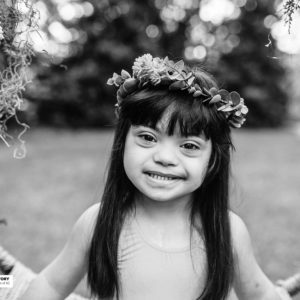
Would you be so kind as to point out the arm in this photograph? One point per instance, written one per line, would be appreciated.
(60, 278)
(250, 282)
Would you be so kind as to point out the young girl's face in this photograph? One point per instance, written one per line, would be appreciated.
(163, 167)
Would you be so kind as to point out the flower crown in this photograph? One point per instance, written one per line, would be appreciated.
(154, 71)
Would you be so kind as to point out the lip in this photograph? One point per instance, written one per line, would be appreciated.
(169, 175)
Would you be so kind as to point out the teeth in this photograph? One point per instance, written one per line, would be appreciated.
(160, 177)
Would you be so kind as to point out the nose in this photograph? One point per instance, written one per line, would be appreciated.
(165, 155)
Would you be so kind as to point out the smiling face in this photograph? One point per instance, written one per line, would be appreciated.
(165, 167)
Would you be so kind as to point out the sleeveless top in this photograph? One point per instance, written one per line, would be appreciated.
(150, 272)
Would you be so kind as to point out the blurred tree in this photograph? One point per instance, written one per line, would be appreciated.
(74, 90)
(254, 69)
(101, 37)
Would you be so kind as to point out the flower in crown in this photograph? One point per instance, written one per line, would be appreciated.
(148, 70)
(229, 103)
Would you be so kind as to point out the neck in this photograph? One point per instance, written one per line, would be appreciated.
(164, 213)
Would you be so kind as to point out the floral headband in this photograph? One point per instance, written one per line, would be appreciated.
(148, 70)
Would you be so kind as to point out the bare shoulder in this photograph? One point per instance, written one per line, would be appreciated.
(249, 281)
(84, 226)
(240, 234)
(90, 214)
(236, 223)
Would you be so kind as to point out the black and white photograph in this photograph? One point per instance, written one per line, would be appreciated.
(149, 150)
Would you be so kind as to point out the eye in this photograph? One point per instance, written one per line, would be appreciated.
(190, 146)
(147, 138)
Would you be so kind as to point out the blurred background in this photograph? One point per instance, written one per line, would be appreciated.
(247, 45)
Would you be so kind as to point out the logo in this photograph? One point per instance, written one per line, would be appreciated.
(6, 281)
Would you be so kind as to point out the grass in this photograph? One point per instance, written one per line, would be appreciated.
(43, 194)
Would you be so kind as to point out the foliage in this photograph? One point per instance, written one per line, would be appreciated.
(154, 71)
(17, 19)
(289, 9)
(71, 90)
(76, 94)
(254, 69)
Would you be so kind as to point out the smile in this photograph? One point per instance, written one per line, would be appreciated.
(162, 177)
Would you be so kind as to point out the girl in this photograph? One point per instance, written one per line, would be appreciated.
(163, 229)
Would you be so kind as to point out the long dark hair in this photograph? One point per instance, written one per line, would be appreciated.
(210, 200)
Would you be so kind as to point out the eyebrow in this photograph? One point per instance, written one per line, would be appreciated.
(160, 131)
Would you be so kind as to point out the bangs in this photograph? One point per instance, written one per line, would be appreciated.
(184, 112)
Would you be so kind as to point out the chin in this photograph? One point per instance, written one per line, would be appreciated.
(161, 197)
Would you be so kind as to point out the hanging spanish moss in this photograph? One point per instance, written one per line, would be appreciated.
(18, 19)
(289, 9)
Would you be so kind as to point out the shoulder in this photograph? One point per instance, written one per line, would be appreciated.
(84, 226)
(90, 214)
(241, 240)
(237, 225)
(88, 217)
(249, 281)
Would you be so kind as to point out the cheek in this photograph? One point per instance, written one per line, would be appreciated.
(199, 173)
(131, 159)
(127, 160)
(199, 169)
(126, 156)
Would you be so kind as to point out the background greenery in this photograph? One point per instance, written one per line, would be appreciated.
(63, 174)
(71, 90)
